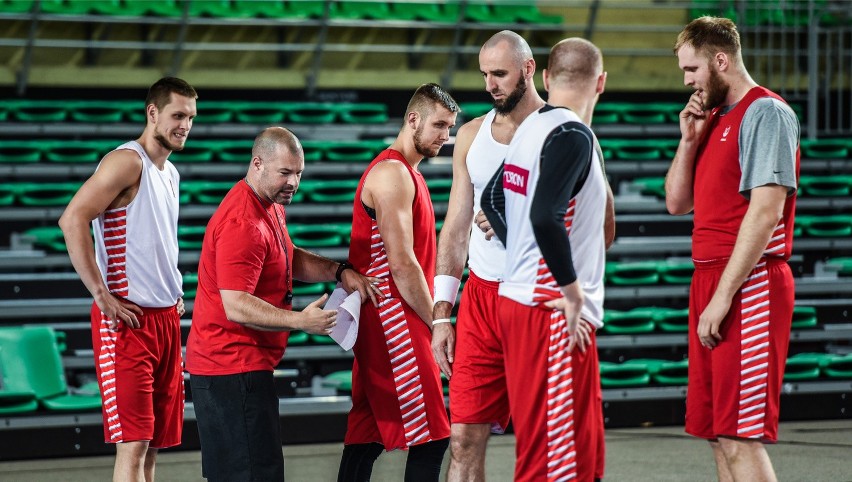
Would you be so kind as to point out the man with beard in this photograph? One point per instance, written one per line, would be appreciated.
(243, 313)
(131, 271)
(397, 399)
(472, 358)
(737, 168)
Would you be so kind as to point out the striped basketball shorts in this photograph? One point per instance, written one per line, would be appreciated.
(734, 389)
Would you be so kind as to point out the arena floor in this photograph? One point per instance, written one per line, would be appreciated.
(808, 451)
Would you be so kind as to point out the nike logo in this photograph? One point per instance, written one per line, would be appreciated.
(776, 172)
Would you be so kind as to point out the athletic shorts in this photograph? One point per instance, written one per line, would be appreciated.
(238, 426)
(140, 371)
(555, 396)
(478, 385)
(397, 396)
(734, 388)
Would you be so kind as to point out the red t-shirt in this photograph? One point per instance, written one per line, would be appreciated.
(243, 250)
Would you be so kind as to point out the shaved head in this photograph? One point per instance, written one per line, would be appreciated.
(574, 61)
(516, 46)
(271, 139)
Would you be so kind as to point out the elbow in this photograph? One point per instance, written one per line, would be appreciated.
(678, 207)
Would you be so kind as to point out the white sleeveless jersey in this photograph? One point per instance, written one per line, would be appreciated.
(486, 258)
(136, 245)
(528, 279)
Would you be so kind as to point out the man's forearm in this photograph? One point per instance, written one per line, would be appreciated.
(679, 180)
(249, 310)
(411, 283)
(311, 267)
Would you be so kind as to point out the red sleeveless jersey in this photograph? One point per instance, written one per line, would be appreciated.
(365, 235)
(719, 206)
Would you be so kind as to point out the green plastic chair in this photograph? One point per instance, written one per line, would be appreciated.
(608, 113)
(843, 266)
(328, 191)
(190, 285)
(439, 189)
(523, 12)
(238, 150)
(80, 7)
(46, 194)
(301, 288)
(340, 381)
(308, 9)
(77, 152)
(253, 8)
(311, 112)
(36, 366)
(20, 152)
(363, 113)
(190, 237)
(98, 111)
(652, 186)
(672, 321)
(825, 186)
(672, 373)
(8, 192)
(315, 235)
(353, 151)
(837, 225)
(297, 338)
(804, 317)
(38, 110)
(652, 113)
(804, 366)
(210, 192)
(322, 340)
(48, 237)
(633, 273)
(214, 112)
(158, 8)
(676, 272)
(635, 321)
(639, 149)
(614, 375)
(363, 10)
(825, 148)
(314, 150)
(838, 366)
(260, 112)
(429, 11)
(211, 8)
(198, 150)
(471, 110)
(16, 6)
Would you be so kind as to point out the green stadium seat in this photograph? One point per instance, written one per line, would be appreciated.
(253, 8)
(74, 152)
(314, 150)
(16, 6)
(37, 367)
(190, 237)
(676, 272)
(837, 225)
(672, 373)
(260, 112)
(429, 11)
(197, 150)
(322, 340)
(642, 149)
(672, 321)
(315, 235)
(301, 288)
(363, 113)
(297, 338)
(804, 366)
(38, 110)
(608, 113)
(46, 194)
(615, 375)
(838, 366)
(353, 151)
(804, 317)
(15, 402)
(340, 381)
(7, 193)
(92, 111)
(439, 189)
(190, 285)
(330, 190)
(210, 192)
(355, 10)
(309, 8)
(652, 113)
(237, 150)
(214, 112)
(310, 112)
(212, 8)
(651, 186)
(637, 320)
(48, 237)
(633, 273)
(157, 8)
(826, 148)
(843, 266)
(20, 152)
(826, 185)
(471, 110)
(523, 12)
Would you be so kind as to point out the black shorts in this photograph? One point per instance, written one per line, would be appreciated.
(239, 427)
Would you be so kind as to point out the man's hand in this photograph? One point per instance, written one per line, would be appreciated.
(693, 118)
(118, 311)
(484, 225)
(180, 308)
(444, 346)
(711, 320)
(367, 286)
(316, 320)
(570, 305)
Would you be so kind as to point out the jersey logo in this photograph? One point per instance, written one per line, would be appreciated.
(725, 134)
(515, 179)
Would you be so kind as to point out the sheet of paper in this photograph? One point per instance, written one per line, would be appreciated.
(348, 312)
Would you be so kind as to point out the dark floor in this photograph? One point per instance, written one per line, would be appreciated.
(807, 451)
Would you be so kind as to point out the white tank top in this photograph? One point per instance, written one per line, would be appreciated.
(584, 218)
(486, 258)
(136, 245)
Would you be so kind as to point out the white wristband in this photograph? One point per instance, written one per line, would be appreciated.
(441, 320)
(446, 288)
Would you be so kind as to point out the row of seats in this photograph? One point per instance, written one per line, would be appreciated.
(651, 319)
(524, 11)
(767, 12)
(817, 186)
(96, 111)
(33, 376)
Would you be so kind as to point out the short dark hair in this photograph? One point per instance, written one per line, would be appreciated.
(708, 35)
(427, 96)
(160, 93)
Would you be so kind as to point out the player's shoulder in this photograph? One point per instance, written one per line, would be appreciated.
(471, 127)
(769, 106)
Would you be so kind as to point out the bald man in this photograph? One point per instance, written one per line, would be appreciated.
(243, 313)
